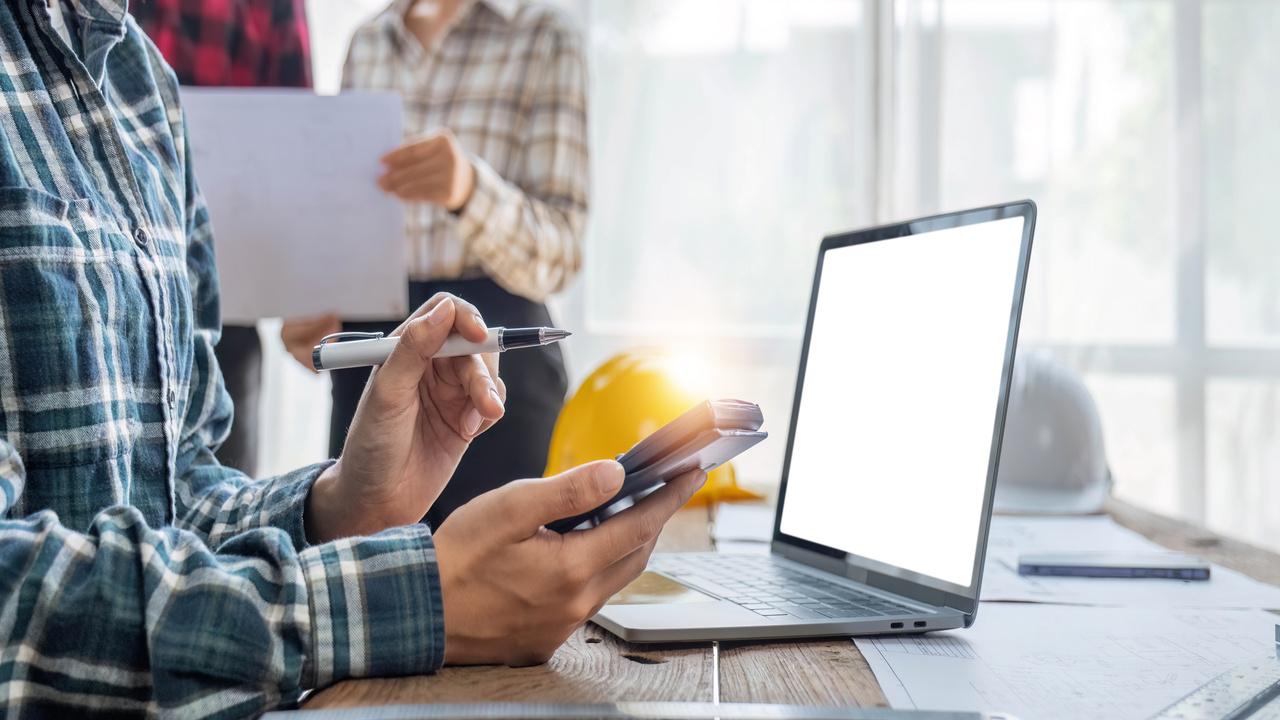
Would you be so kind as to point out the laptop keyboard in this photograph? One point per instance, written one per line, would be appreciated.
(767, 588)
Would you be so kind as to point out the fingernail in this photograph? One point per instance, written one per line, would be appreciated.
(479, 320)
(608, 479)
(496, 397)
(436, 316)
(471, 422)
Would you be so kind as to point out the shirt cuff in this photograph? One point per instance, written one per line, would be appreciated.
(376, 607)
(492, 203)
(284, 504)
(231, 508)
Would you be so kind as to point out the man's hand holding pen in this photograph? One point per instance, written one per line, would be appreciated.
(416, 418)
(513, 590)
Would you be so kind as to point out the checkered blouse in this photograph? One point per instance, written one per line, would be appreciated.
(509, 78)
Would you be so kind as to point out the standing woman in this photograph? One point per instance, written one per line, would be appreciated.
(493, 174)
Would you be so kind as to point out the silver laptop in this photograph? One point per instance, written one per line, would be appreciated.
(892, 450)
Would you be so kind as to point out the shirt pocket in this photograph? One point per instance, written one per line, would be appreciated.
(67, 373)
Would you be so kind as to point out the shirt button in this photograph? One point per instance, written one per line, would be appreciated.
(173, 397)
(141, 237)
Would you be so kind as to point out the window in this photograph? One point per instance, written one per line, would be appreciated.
(1241, 140)
(1145, 131)
(1140, 127)
(729, 136)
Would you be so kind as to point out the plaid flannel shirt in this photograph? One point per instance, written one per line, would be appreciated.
(235, 43)
(137, 575)
(509, 78)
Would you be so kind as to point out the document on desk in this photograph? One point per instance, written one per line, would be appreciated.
(744, 522)
(743, 528)
(300, 225)
(1013, 536)
(747, 528)
(1067, 662)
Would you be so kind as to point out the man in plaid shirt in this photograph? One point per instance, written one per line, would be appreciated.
(137, 575)
(234, 43)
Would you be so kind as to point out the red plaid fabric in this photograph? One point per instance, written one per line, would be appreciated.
(236, 43)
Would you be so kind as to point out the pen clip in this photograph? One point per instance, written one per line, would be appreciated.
(349, 335)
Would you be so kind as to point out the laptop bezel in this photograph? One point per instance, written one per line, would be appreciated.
(916, 586)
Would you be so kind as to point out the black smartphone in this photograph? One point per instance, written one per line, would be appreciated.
(706, 436)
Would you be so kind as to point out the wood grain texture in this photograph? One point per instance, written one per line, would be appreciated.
(591, 667)
(811, 672)
(596, 667)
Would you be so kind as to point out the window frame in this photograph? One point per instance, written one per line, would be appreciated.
(912, 180)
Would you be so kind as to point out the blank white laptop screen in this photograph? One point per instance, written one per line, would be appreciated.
(898, 407)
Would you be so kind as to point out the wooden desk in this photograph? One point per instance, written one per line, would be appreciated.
(593, 666)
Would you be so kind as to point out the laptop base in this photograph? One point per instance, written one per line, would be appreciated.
(668, 606)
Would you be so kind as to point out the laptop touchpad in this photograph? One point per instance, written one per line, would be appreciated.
(652, 588)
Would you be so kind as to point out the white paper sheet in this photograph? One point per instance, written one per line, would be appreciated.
(1012, 536)
(1050, 662)
(300, 226)
(743, 522)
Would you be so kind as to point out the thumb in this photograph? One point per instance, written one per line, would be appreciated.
(420, 338)
(534, 503)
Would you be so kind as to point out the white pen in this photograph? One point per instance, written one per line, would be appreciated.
(356, 349)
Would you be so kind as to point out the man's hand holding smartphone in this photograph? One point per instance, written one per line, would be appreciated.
(513, 590)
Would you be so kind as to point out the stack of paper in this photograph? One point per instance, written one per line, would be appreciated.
(743, 528)
(1046, 647)
(748, 528)
(1057, 661)
(1143, 644)
(1013, 536)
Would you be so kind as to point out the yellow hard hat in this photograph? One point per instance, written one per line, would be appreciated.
(627, 398)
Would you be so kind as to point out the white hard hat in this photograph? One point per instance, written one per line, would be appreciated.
(1053, 460)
